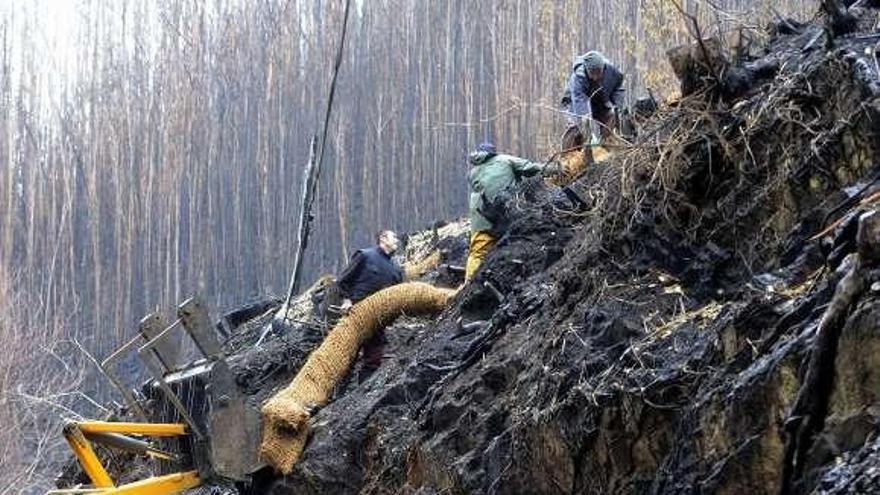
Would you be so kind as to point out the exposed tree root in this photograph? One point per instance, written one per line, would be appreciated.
(807, 417)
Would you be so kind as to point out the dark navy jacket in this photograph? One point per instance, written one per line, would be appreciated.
(583, 96)
(370, 270)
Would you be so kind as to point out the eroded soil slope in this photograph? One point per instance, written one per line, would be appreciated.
(667, 336)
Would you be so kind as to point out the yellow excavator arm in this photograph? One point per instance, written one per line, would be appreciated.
(80, 434)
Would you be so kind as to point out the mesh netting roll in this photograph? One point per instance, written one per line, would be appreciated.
(574, 164)
(286, 414)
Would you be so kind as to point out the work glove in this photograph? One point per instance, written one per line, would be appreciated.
(345, 306)
(552, 169)
(590, 127)
(586, 120)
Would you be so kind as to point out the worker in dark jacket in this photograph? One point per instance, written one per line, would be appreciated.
(594, 93)
(491, 179)
(371, 270)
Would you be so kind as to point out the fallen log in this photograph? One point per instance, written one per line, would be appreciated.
(698, 65)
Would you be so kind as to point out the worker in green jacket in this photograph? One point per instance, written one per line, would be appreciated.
(491, 179)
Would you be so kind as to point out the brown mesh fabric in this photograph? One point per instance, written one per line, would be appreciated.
(574, 164)
(286, 414)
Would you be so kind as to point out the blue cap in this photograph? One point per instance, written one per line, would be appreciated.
(487, 147)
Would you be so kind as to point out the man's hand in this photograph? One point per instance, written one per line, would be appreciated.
(345, 306)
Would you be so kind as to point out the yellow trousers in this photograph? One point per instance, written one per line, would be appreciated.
(481, 243)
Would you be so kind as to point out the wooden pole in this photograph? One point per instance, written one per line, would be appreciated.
(310, 181)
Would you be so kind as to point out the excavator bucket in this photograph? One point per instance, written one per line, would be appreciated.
(217, 425)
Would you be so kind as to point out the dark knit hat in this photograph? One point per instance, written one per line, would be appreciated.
(594, 60)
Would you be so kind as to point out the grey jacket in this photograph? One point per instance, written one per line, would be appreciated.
(582, 96)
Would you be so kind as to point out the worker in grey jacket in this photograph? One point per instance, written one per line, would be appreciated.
(592, 97)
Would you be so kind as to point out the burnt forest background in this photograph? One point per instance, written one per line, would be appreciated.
(151, 150)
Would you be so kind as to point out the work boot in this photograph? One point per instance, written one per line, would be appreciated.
(373, 353)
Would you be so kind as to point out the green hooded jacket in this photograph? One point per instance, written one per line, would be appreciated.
(491, 174)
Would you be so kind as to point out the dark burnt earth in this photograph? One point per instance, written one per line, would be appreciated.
(668, 336)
